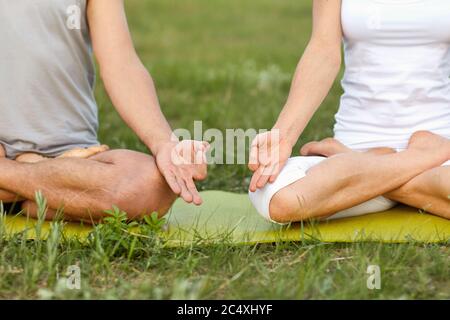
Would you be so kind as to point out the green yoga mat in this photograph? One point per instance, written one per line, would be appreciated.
(231, 217)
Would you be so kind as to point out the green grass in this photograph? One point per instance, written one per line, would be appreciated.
(118, 263)
(229, 64)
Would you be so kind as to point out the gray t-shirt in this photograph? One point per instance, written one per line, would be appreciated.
(47, 77)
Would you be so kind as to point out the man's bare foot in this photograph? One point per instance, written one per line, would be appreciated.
(80, 153)
(327, 148)
(432, 144)
(84, 153)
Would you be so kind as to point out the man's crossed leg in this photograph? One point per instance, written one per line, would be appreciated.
(85, 187)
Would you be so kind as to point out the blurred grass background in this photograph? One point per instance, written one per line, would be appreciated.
(226, 63)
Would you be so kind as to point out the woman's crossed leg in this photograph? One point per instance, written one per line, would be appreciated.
(348, 179)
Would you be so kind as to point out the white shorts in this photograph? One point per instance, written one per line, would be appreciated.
(295, 169)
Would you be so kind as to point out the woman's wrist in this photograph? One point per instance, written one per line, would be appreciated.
(287, 134)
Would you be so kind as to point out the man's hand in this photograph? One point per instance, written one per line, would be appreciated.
(268, 155)
(181, 163)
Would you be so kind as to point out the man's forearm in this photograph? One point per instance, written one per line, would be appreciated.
(133, 93)
(313, 79)
(126, 80)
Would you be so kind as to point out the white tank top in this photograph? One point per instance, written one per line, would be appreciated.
(397, 77)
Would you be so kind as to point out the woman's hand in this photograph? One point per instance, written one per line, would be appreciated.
(181, 163)
(315, 74)
(268, 155)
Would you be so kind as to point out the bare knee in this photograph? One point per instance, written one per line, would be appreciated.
(287, 206)
(142, 190)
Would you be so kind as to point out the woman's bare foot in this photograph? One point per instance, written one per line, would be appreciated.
(431, 144)
(330, 147)
(327, 148)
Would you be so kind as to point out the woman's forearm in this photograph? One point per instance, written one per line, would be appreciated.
(315, 74)
(133, 93)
